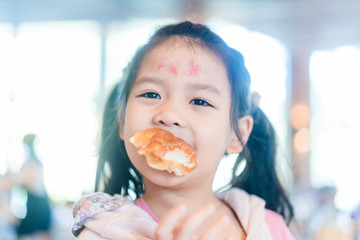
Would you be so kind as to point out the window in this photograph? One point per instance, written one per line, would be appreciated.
(54, 79)
(335, 123)
(6, 65)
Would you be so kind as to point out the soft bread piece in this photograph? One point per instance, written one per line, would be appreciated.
(164, 151)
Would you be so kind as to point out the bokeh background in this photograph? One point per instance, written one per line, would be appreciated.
(60, 58)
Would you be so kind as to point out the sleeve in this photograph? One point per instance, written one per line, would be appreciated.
(92, 205)
(100, 216)
(277, 226)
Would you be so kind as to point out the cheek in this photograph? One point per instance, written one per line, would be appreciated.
(132, 120)
(214, 142)
(132, 153)
(218, 134)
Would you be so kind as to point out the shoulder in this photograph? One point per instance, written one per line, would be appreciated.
(238, 198)
(253, 215)
(277, 226)
(93, 204)
(250, 211)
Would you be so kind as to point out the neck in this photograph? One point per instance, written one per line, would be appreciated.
(160, 199)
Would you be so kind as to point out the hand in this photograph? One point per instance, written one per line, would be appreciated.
(175, 226)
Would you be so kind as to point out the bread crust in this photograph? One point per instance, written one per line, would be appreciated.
(164, 151)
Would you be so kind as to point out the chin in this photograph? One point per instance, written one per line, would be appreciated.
(163, 178)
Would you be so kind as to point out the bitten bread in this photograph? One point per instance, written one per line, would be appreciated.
(164, 151)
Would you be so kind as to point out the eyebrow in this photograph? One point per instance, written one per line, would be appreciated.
(206, 87)
(192, 86)
(148, 80)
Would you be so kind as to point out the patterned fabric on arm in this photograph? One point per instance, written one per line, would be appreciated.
(92, 205)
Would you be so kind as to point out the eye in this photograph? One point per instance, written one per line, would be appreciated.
(150, 95)
(200, 102)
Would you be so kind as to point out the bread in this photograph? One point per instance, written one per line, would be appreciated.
(164, 151)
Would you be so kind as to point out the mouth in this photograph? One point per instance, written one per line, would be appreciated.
(164, 151)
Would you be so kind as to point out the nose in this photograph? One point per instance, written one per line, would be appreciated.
(169, 116)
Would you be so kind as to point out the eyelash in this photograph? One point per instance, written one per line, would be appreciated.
(196, 101)
(200, 102)
(150, 95)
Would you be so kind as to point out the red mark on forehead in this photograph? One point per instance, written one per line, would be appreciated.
(160, 66)
(194, 69)
(173, 69)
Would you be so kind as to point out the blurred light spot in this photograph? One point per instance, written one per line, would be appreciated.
(18, 200)
(300, 116)
(302, 140)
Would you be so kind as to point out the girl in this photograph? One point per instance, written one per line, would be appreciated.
(188, 81)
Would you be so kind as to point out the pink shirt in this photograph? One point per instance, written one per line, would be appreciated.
(140, 202)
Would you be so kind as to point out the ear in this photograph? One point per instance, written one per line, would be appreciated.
(245, 126)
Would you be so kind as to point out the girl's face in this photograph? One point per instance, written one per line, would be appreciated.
(185, 90)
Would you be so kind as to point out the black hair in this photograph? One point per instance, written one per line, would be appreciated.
(115, 169)
(259, 177)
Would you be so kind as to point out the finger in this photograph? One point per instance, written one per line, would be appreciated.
(190, 227)
(168, 224)
(216, 229)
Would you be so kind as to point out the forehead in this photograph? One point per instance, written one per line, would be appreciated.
(178, 61)
(177, 49)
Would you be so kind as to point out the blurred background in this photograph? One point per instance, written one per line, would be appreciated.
(59, 59)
